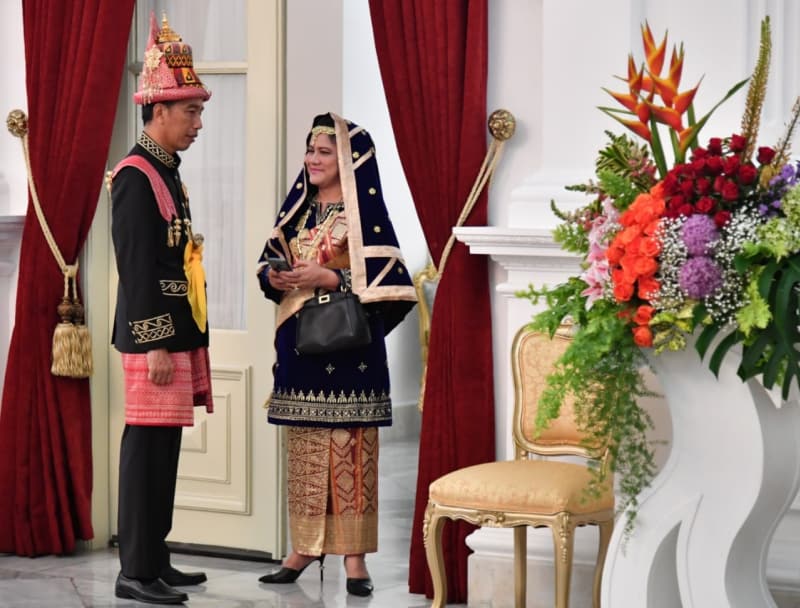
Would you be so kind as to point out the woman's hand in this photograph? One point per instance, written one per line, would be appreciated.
(280, 280)
(307, 274)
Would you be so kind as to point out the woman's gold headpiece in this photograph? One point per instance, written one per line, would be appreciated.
(315, 131)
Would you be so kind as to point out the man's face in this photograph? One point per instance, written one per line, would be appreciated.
(178, 124)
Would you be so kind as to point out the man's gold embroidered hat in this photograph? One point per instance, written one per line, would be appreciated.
(168, 72)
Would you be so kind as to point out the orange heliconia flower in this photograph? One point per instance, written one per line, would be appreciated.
(646, 82)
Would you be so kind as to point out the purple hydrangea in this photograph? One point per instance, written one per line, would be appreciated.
(698, 232)
(700, 277)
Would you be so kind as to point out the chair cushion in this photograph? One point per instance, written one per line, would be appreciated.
(535, 486)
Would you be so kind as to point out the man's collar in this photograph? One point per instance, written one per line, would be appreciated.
(149, 144)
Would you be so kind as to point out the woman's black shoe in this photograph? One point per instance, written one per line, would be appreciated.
(289, 575)
(361, 587)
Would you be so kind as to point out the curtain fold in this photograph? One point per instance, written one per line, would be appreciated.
(433, 58)
(75, 58)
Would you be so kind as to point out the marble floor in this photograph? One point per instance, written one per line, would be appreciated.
(87, 579)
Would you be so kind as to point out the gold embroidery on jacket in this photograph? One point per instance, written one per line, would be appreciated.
(331, 408)
(173, 288)
(150, 330)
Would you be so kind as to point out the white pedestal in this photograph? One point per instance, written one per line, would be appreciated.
(706, 523)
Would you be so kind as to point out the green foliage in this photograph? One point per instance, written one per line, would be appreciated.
(600, 371)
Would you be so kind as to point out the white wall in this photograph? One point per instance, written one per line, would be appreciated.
(13, 189)
(13, 185)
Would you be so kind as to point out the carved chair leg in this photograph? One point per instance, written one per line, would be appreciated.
(606, 528)
(432, 538)
(520, 565)
(563, 542)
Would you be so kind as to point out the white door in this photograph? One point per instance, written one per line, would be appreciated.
(230, 479)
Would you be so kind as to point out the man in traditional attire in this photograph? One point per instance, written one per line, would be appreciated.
(160, 325)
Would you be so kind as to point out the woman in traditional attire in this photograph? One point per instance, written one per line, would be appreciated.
(335, 233)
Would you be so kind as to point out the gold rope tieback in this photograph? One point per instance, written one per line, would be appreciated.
(501, 125)
(72, 344)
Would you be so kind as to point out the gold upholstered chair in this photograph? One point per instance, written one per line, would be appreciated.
(535, 489)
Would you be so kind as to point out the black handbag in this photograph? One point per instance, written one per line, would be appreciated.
(330, 322)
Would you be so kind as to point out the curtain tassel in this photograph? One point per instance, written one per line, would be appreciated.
(72, 344)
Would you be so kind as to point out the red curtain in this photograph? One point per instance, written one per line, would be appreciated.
(433, 61)
(74, 57)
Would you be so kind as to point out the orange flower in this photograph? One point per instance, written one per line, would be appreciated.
(645, 266)
(621, 276)
(643, 314)
(654, 54)
(643, 336)
(651, 227)
(650, 246)
(614, 254)
(628, 235)
(623, 292)
(648, 287)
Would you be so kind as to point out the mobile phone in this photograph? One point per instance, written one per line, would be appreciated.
(278, 264)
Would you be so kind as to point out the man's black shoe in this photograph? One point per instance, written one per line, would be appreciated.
(153, 592)
(176, 578)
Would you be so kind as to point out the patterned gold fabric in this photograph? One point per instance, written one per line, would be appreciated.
(551, 487)
(333, 490)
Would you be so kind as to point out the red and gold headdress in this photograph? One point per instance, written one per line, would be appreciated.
(168, 73)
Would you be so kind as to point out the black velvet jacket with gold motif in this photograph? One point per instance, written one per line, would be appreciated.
(152, 308)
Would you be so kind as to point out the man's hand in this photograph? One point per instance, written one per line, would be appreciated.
(159, 366)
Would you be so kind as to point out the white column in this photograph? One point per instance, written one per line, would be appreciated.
(10, 236)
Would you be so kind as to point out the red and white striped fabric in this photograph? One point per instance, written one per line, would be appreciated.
(148, 404)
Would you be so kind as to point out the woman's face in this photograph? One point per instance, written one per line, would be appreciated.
(322, 162)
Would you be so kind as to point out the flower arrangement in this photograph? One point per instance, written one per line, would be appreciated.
(707, 246)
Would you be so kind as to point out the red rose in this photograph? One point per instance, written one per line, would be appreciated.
(702, 185)
(730, 191)
(715, 146)
(714, 165)
(676, 202)
(699, 153)
(747, 174)
(721, 218)
(737, 143)
(686, 210)
(765, 155)
(705, 204)
(699, 164)
(730, 165)
(719, 182)
(687, 187)
(670, 182)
